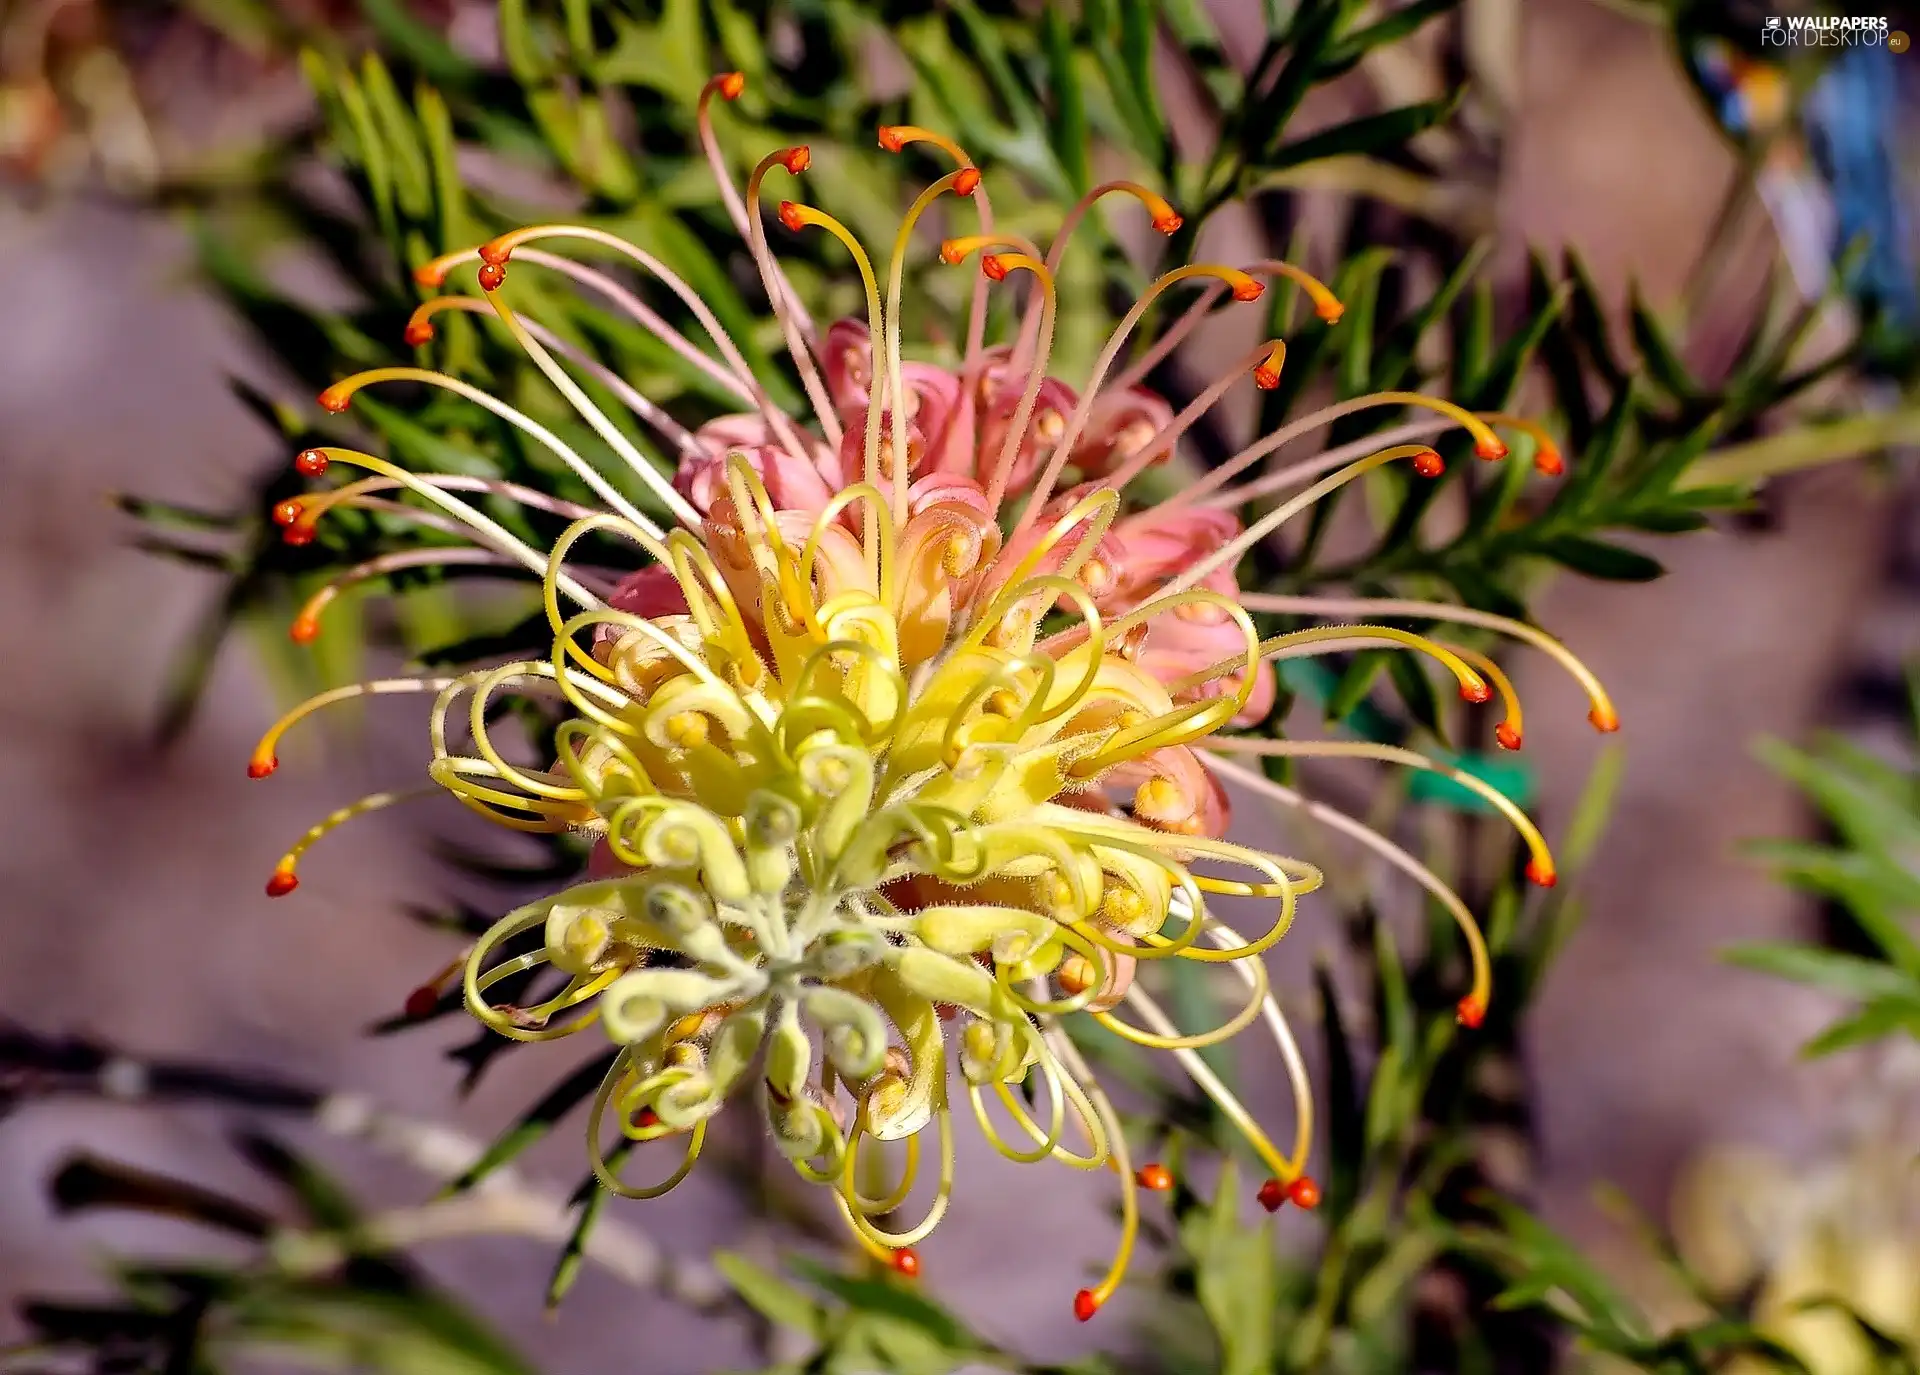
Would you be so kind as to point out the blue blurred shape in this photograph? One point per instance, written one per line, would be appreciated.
(1853, 116)
(1831, 171)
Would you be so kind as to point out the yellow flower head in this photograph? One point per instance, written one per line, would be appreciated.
(888, 744)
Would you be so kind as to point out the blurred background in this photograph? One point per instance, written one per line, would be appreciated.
(131, 872)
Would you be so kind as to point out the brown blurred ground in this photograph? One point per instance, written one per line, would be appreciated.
(131, 882)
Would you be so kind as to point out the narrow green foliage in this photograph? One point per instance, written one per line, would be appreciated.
(358, 1309)
(1872, 808)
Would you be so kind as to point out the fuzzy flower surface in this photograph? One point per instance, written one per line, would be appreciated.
(904, 740)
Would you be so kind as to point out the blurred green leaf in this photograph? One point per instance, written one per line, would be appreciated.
(1852, 975)
(1346, 1123)
(1067, 123)
(1235, 1271)
(1356, 683)
(1658, 353)
(890, 1298)
(1395, 26)
(1876, 1020)
(1598, 559)
(772, 1297)
(1367, 135)
(1594, 809)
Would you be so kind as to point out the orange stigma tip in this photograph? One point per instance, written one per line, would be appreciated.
(260, 768)
(286, 512)
(731, 85)
(491, 276)
(1085, 1305)
(297, 535)
(418, 332)
(1470, 1012)
(493, 254)
(1168, 223)
(1266, 378)
(334, 400)
(795, 160)
(1304, 1192)
(310, 463)
(1604, 720)
(966, 181)
(790, 216)
(1248, 290)
(890, 138)
(1427, 463)
(1272, 1194)
(421, 1002)
(282, 883)
(1541, 873)
(304, 630)
(951, 253)
(1475, 692)
(1490, 452)
(1330, 312)
(1548, 463)
(430, 274)
(994, 266)
(1506, 736)
(1156, 1177)
(907, 1261)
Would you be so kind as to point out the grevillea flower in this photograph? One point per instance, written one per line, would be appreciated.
(907, 728)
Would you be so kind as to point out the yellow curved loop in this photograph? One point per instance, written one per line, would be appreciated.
(1048, 1145)
(603, 1169)
(835, 1150)
(1096, 635)
(1096, 512)
(893, 1198)
(962, 723)
(456, 774)
(477, 977)
(550, 576)
(850, 1197)
(1226, 1031)
(1071, 938)
(714, 609)
(1099, 1152)
(1334, 639)
(477, 726)
(874, 502)
(1285, 887)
